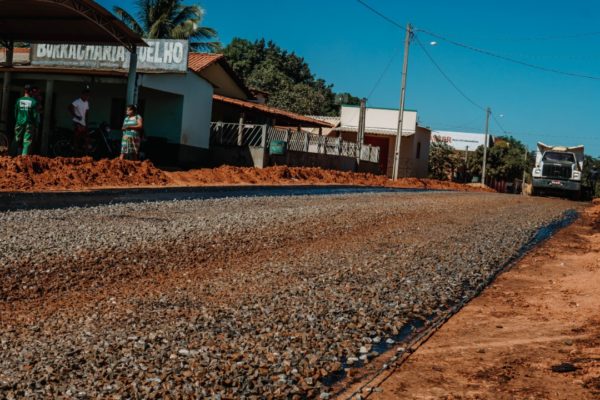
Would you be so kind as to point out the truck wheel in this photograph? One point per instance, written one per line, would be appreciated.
(576, 196)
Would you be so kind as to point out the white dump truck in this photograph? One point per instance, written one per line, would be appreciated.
(558, 169)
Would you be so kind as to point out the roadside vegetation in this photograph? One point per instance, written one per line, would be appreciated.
(170, 19)
(508, 160)
(285, 76)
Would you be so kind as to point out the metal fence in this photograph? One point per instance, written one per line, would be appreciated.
(233, 134)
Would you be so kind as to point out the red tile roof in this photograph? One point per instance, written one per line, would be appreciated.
(271, 110)
(199, 61)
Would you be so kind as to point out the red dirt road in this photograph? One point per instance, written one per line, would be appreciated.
(502, 345)
(36, 173)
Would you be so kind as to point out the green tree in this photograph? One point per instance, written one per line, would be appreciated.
(591, 174)
(506, 160)
(442, 161)
(170, 19)
(285, 76)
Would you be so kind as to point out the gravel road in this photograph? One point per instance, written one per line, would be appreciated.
(236, 298)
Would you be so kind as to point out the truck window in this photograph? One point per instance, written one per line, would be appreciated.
(557, 156)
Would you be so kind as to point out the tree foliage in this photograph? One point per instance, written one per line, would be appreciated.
(285, 76)
(506, 160)
(170, 19)
(442, 161)
(591, 174)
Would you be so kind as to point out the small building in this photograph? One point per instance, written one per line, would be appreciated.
(460, 141)
(175, 101)
(381, 127)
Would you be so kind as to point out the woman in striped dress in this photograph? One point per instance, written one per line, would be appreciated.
(132, 129)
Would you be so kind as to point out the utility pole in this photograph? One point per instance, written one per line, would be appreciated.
(466, 163)
(361, 128)
(402, 98)
(488, 111)
(9, 45)
(525, 170)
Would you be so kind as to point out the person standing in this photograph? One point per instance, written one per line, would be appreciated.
(132, 132)
(27, 119)
(79, 111)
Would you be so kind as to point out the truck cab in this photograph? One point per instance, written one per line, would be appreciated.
(558, 169)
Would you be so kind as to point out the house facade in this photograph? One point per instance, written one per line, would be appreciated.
(381, 127)
(175, 101)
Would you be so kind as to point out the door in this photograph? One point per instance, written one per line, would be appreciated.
(384, 144)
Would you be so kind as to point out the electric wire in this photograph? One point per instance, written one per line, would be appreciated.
(499, 124)
(445, 75)
(460, 91)
(382, 15)
(385, 70)
(509, 59)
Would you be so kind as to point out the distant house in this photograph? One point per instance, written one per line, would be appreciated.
(380, 130)
(461, 141)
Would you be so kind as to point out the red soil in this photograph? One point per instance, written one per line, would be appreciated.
(36, 173)
(40, 173)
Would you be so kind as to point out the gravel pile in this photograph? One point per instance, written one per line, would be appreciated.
(236, 298)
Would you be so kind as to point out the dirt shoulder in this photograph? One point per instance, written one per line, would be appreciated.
(41, 174)
(503, 344)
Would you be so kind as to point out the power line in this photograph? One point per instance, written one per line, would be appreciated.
(544, 38)
(388, 19)
(499, 124)
(439, 68)
(385, 70)
(509, 59)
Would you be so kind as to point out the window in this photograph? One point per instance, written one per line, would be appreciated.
(556, 156)
(418, 150)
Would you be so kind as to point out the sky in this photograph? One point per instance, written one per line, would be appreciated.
(359, 52)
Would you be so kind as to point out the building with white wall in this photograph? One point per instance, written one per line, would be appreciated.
(174, 99)
(381, 126)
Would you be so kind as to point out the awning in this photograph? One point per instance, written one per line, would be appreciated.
(63, 21)
(284, 118)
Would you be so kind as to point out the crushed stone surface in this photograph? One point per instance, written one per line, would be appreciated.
(237, 298)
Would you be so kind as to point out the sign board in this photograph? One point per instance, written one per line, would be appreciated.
(161, 55)
(459, 140)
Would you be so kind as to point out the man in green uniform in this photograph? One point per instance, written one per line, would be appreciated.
(26, 116)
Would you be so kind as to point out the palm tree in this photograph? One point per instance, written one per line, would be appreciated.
(170, 19)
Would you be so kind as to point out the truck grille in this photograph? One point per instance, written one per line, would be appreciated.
(556, 171)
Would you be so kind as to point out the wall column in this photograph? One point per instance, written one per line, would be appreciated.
(47, 117)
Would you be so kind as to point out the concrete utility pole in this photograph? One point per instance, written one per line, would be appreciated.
(488, 111)
(131, 78)
(525, 170)
(402, 98)
(361, 128)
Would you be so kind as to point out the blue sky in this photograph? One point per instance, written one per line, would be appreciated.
(350, 47)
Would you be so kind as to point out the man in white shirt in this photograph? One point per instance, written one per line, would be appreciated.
(79, 111)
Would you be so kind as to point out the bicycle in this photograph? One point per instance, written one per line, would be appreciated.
(100, 143)
(4, 144)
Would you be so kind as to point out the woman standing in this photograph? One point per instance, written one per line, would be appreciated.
(132, 130)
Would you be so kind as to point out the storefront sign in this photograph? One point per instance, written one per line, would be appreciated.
(160, 55)
(459, 140)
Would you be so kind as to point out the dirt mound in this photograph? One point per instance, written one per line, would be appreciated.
(302, 175)
(37, 173)
(41, 173)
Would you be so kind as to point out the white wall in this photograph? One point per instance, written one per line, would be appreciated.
(379, 118)
(197, 103)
